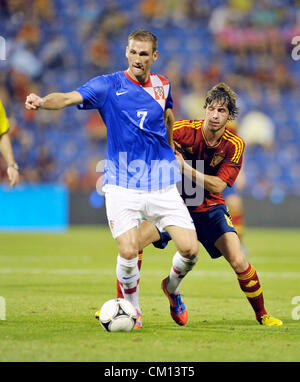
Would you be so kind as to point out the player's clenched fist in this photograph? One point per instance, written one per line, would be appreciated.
(33, 102)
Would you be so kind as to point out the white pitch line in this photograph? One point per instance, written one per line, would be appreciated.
(195, 273)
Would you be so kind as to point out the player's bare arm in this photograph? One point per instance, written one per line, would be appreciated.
(211, 183)
(169, 121)
(7, 152)
(53, 101)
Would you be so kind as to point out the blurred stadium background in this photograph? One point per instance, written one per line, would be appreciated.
(57, 45)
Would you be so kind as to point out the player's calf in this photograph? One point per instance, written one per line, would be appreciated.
(181, 266)
(128, 275)
(119, 284)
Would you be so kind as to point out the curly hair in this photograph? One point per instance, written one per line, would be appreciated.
(222, 92)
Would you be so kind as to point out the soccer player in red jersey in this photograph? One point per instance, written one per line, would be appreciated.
(221, 150)
(234, 200)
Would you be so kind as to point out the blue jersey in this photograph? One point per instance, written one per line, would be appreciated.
(139, 155)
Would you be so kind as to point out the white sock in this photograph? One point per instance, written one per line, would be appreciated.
(129, 276)
(180, 267)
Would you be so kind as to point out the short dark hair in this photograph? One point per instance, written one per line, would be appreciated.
(222, 92)
(143, 35)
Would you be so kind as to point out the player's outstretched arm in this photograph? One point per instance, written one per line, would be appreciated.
(53, 101)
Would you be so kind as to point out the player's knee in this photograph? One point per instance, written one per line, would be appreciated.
(189, 250)
(128, 246)
(128, 253)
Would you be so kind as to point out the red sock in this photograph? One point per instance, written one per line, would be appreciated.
(250, 285)
(140, 259)
(119, 289)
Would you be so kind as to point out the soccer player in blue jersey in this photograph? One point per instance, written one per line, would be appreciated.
(141, 169)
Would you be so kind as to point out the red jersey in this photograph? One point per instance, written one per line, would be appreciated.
(223, 160)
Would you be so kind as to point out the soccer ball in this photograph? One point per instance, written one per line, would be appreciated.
(117, 315)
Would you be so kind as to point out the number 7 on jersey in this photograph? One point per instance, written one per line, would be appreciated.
(142, 114)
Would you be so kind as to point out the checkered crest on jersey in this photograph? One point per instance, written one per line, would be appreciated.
(158, 87)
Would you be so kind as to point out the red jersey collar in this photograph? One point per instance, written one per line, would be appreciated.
(148, 83)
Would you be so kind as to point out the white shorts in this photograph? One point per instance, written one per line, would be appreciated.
(125, 208)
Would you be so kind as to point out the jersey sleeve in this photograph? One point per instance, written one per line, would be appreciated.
(183, 133)
(94, 93)
(169, 100)
(4, 126)
(232, 163)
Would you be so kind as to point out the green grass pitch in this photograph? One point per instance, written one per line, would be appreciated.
(53, 283)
